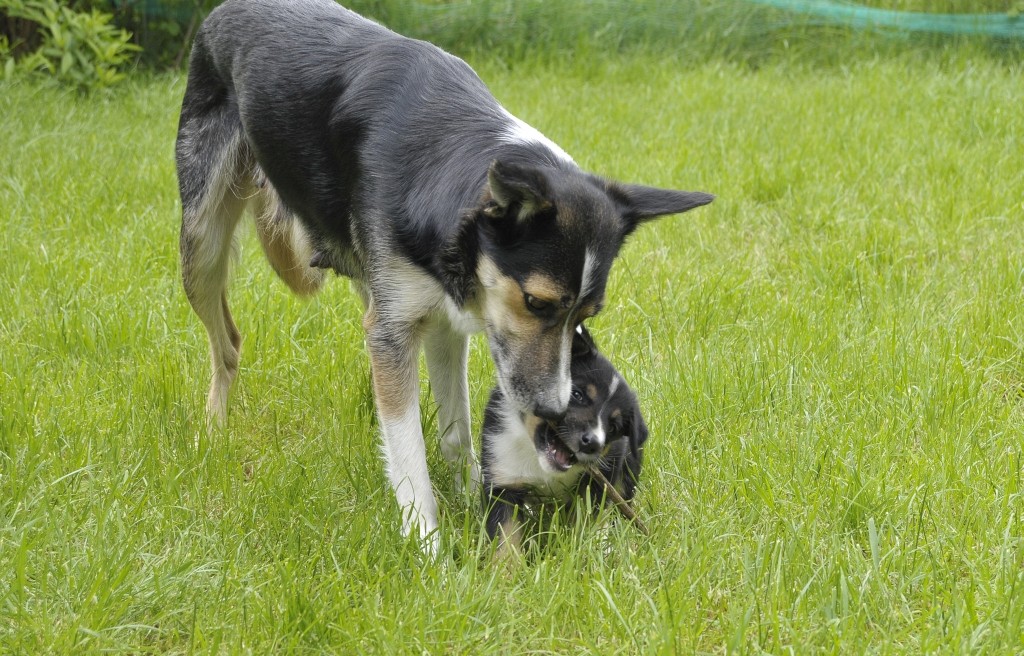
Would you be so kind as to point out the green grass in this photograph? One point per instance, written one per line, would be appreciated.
(829, 358)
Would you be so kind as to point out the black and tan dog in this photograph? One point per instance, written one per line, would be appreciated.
(526, 458)
(391, 159)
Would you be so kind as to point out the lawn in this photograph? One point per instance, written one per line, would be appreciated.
(830, 358)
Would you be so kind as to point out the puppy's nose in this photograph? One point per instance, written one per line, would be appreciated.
(549, 413)
(589, 443)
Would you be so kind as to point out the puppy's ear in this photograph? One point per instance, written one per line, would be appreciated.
(638, 203)
(517, 192)
(635, 430)
(582, 343)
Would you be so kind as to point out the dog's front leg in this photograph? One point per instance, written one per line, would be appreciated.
(447, 354)
(394, 354)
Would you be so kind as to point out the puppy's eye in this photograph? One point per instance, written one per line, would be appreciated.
(576, 395)
(536, 304)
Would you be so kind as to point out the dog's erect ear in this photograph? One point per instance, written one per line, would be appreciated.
(582, 343)
(519, 191)
(638, 203)
(456, 261)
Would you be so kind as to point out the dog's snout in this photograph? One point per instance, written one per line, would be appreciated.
(550, 413)
(589, 443)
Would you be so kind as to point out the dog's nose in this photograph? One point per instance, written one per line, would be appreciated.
(589, 443)
(548, 413)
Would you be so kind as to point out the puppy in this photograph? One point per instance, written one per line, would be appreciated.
(392, 159)
(526, 458)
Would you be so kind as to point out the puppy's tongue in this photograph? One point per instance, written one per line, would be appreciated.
(558, 454)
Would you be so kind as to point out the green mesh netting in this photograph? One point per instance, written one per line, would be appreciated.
(1008, 25)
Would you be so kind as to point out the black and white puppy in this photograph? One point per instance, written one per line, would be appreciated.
(526, 458)
(390, 160)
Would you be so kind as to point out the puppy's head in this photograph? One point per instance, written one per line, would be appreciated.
(535, 256)
(602, 411)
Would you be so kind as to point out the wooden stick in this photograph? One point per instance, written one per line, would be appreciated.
(620, 503)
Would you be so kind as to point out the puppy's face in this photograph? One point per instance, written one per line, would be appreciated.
(546, 241)
(602, 411)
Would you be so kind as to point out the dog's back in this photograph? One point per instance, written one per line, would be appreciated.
(338, 110)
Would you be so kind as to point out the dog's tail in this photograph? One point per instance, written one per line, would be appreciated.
(285, 242)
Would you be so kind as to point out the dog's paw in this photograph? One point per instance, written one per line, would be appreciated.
(509, 559)
(468, 478)
(430, 544)
(423, 526)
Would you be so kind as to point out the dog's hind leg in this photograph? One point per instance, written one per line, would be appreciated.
(446, 353)
(285, 243)
(215, 180)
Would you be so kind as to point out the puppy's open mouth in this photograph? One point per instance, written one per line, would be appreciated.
(558, 455)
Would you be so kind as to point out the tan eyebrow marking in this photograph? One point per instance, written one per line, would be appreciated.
(545, 288)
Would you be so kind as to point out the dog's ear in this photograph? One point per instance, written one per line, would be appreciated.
(637, 203)
(582, 343)
(457, 260)
(635, 431)
(517, 191)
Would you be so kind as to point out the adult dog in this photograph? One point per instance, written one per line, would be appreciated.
(388, 160)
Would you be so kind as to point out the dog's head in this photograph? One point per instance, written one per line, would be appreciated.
(535, 256)
(603, 410)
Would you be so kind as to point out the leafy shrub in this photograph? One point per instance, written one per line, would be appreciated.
(80, 49)
(162, 28)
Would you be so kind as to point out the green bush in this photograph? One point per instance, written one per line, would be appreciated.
(164, 29)
(79, 49)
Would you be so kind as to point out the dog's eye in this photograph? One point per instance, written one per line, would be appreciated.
(576, 395)
(536, 304)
